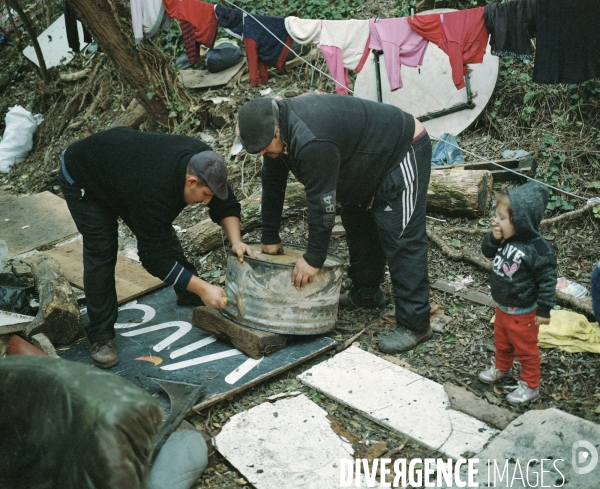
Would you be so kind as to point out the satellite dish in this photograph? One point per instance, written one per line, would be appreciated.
(430, 89)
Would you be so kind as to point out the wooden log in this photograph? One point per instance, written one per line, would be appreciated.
(133, 117)
(206, 235)
(58, 315)
(252, 342)
(456, 192)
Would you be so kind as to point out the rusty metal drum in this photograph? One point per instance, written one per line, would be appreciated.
(260, 293)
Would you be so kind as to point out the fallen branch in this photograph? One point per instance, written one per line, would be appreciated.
(77, 75)
(568, 215)
(456, 255)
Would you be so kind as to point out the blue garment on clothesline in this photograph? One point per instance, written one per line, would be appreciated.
(446, 151)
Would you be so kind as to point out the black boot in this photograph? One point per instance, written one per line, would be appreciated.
(403, 339)
(359, 296)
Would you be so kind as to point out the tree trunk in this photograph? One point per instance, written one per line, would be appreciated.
(458, 192)
(206, 235)
(144, 67)
(58, 316)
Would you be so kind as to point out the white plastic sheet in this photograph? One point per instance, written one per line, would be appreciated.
(17, 140)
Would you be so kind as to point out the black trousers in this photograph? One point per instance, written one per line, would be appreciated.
(393, 230)
(99, 227)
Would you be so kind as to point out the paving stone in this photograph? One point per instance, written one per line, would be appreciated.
(286, 444)
(11, 322)
(400, 400)
(548, 434)
(468, 403)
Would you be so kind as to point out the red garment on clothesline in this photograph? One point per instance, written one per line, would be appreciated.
(462, 35)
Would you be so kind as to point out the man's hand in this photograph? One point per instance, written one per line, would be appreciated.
(213, 296)
(240, 249)
(273, 249)
(540, 320)
(303, 274)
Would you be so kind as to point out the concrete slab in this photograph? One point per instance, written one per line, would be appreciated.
(11, 322)
(564, 446)
(400, 400)
(468, 403)
(289, 443)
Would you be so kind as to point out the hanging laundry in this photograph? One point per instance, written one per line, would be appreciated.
(71, 28)
(231, 20)
(568, 43)
(303, 31)
(446, 151)
(147, 17)
(192, 48)
(345, 46)
(200, 14)
(400, 45)
(265, 38)
(462, 35)
(511, 26)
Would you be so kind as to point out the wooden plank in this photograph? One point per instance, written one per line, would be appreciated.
(252, 342)
(36, 220)
(478, 297)
(203, 78)
(526, 166)
(131, 279)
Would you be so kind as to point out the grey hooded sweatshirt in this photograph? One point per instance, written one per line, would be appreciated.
(524, 267)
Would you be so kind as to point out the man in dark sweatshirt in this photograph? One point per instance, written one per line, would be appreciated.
(146, 180)
(374, 160)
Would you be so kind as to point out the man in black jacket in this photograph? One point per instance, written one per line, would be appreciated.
(373, 159)
(146, 180)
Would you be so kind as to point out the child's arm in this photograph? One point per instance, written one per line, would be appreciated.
(544, 275)
(490, 245)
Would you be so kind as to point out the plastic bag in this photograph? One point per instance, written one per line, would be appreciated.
(13, 294)
(223, 56)
(66, 425)
(18, 136)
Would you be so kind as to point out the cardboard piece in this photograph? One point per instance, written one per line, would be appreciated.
(203, 78)
(36, 220)
(155, 338)
(131, 279)
(54, 45)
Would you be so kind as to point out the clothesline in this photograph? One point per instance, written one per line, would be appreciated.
(290, 49)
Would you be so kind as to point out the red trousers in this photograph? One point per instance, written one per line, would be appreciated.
(516, 335)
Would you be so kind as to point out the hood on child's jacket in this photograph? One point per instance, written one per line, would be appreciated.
(528, 204)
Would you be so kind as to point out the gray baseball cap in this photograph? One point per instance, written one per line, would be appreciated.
(211, 168)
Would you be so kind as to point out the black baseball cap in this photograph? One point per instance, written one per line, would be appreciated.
(257, 123)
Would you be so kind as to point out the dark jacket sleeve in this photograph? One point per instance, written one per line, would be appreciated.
(544, 275)
(219, 209)
(490, 245)
(274, 182)
(319, 167)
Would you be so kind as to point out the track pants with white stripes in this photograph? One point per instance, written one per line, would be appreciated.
(393, 231)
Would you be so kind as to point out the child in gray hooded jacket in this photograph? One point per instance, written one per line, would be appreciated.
(523, 284)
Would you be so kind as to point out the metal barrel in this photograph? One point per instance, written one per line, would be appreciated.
(260, 294)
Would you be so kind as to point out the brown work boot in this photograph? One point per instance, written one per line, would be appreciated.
(104, 353)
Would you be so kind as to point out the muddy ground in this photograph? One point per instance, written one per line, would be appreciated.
(557, 124)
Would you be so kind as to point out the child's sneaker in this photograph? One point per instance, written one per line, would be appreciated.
(492, 375)
(523, 394)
